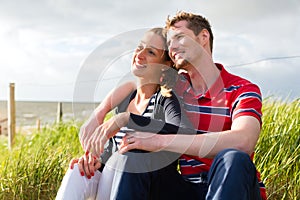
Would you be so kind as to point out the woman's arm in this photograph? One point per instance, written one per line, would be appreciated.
(114, 98)
(167, 119)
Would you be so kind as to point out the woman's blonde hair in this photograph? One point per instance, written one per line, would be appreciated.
(169, 76)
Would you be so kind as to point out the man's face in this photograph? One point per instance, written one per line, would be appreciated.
(183, 45)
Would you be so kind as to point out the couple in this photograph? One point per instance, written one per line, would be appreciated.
(223, 108)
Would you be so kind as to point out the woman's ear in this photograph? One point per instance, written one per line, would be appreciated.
(167, 65)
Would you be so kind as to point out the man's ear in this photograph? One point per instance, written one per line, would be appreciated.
(203, 37)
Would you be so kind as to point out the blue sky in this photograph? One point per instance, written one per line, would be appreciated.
(45, 45)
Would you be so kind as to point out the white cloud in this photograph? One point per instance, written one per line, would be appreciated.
(45, 43)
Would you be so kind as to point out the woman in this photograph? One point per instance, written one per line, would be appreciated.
(150, 64)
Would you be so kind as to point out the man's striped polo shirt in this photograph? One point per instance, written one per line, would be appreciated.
(229, 97)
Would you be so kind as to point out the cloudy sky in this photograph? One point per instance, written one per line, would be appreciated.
(46, 46)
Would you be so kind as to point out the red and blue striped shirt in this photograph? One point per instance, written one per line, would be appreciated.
(229, 98)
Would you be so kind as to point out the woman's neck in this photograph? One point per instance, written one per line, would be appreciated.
(145, 91)
(141, 100)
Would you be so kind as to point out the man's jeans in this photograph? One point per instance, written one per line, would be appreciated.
(231, 176)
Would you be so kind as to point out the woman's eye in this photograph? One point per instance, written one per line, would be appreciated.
(151, 52)
(139, 48)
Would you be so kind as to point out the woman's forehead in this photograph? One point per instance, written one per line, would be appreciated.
(153, 40)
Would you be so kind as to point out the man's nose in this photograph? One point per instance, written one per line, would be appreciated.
(172, 45)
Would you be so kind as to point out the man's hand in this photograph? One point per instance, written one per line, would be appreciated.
(141, 140)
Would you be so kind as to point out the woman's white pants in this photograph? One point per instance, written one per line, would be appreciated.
(102, 186)
(77, 187)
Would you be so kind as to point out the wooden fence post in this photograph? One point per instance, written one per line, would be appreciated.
(38, 124)
(11, 115)
(59, 112)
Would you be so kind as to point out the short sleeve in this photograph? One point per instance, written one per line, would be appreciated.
(248, 102)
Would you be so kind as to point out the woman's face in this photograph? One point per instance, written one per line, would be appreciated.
(148, 58)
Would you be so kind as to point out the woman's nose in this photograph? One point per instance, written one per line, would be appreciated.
(141, 54)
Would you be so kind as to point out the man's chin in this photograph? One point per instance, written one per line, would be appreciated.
(181, 64)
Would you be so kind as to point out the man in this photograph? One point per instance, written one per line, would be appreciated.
(225, 108)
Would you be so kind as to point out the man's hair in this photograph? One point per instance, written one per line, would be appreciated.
(196, 23)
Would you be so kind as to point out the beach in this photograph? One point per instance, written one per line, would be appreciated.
(29, 113)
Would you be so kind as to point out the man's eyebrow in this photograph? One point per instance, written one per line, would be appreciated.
(174, 35)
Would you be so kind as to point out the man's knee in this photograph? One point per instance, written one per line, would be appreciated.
(234, 158)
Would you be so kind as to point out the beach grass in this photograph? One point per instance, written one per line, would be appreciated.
(278, 149)
(38, 162)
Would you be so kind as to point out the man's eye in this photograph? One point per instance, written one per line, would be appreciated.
(168, 42)
(179, 37)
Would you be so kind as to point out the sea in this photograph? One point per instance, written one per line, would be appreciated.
(32, 113)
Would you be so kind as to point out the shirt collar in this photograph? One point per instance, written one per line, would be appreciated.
(215, 89)
(218, 85)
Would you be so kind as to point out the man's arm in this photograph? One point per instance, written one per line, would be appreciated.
(243, 136)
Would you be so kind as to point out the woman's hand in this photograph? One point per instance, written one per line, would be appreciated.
(87, 164)
(141, 140)
(105, 131)
(114, 98)
(88, 128)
